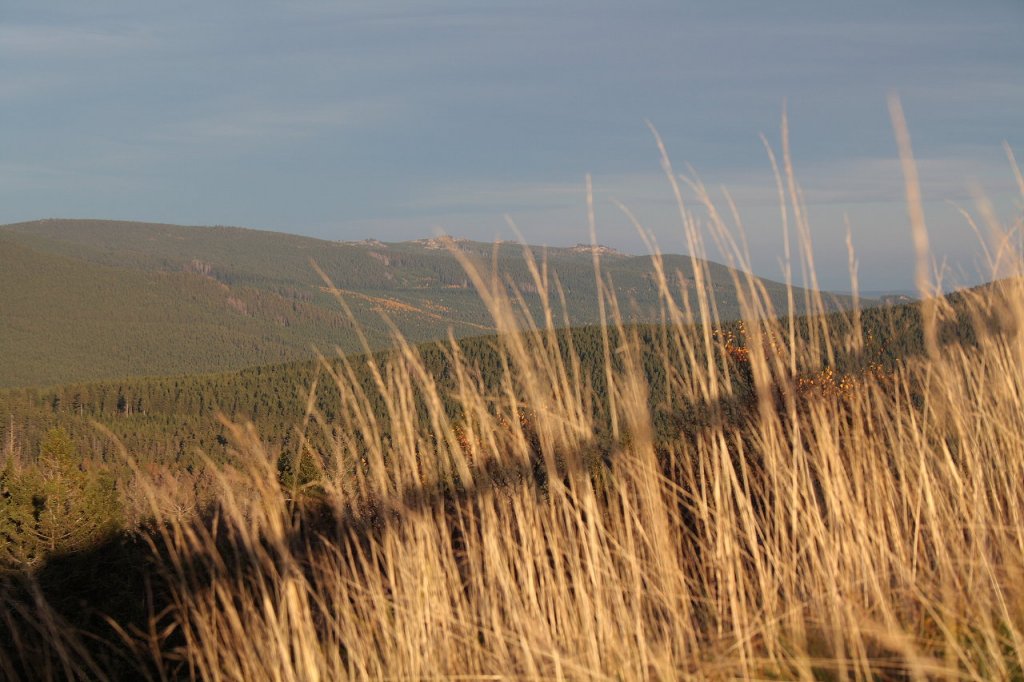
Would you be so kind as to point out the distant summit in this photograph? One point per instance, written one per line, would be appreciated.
(437, 243)
(896, 299)
(601, 250)
(376, 243)
(446, 242)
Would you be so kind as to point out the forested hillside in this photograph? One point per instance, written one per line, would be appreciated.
(173, 420)
(84, 300)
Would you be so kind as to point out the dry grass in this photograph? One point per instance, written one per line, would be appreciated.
(864, 533)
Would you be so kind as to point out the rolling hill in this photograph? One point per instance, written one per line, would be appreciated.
(86, 300)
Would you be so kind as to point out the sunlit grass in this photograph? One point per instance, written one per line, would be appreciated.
(846, 526)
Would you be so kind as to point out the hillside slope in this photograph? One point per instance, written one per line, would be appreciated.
(175, 418)
(86, 300)
(67, 319)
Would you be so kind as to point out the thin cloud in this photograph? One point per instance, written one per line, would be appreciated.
(838, 182)
(253, 123)
(35, 40)
(26, 177)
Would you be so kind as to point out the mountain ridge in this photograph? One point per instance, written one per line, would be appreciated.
(93, 299)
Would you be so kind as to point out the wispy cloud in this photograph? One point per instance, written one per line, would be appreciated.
(35, 40)
(836, 182)
(879, 180)
(51, 177)
(256, 121)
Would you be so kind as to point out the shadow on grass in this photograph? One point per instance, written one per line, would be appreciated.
(108, 612)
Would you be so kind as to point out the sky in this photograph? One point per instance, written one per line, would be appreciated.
(399, 120)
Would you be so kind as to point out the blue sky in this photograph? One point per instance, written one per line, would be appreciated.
(395, 119)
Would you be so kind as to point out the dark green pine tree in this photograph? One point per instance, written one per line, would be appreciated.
(56, 505)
